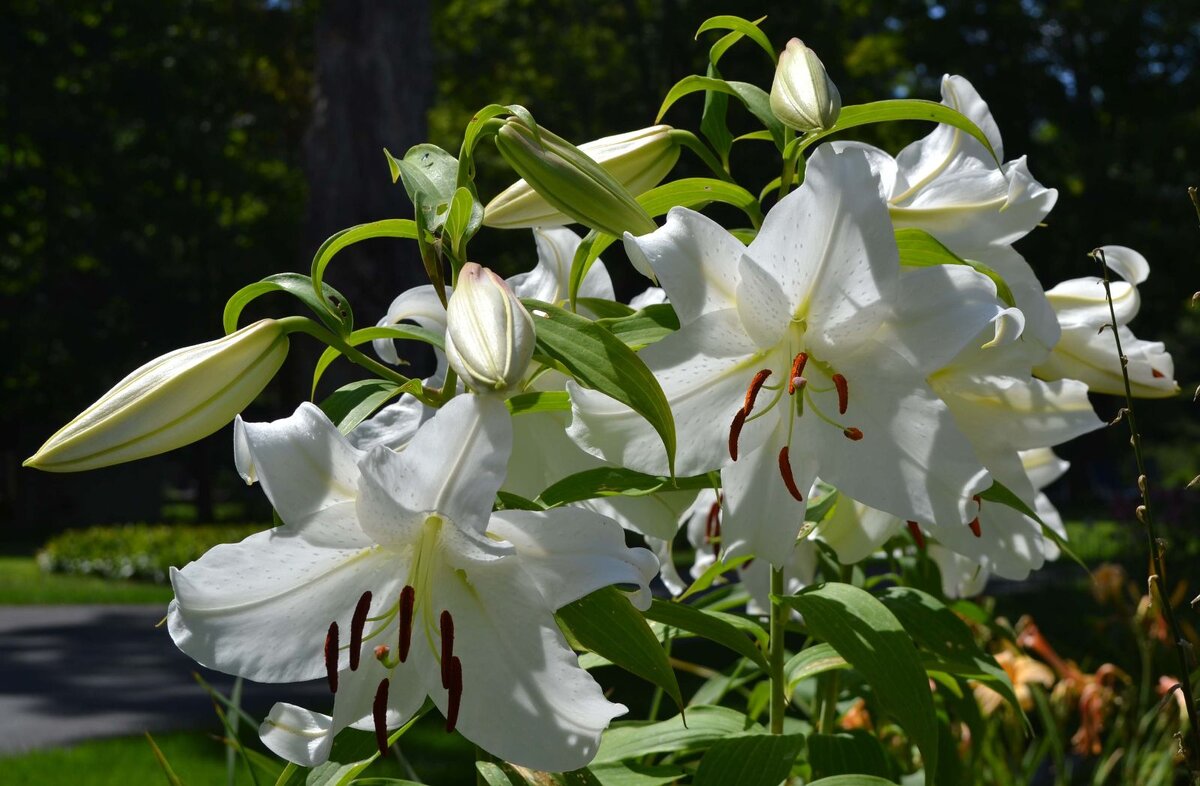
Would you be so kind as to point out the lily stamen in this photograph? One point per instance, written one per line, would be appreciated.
(853, 434)
(357, 622)
(447, 624)
(735, 431)
(379, 716)
(797, 371)
(755, 385)
(331, 656)
(383, 654)
(917, 535)
(408, 599)
(785, 469)
(975, 528)
(455, 689)
(843, 391)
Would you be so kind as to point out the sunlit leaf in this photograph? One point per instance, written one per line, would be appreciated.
(749, 760)
(705, 725)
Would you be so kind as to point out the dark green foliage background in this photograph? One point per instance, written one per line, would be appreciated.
(150, 165)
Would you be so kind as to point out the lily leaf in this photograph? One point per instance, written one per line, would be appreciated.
(644, 327)
(744, 27)
(539, 401)
(705, 725)
(599, 360)
(389, 227)
(728, 630)
(611, 481)
(856, 752)
(351, 404)
(750, 760)
(868, 635)
(332, 308)
(755, 99)
(918, 248)
(895, 109)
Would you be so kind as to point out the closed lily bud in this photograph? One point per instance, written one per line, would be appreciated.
(562, 183)
(170, 402)
(803, 96)
(489, 334)
(638, 160)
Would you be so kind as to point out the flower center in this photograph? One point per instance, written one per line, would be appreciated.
(800, 396)
(416, 597)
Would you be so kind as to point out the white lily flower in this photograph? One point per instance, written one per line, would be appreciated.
(393, 579)
(1086, 350)
(778, 340)
(949, 185)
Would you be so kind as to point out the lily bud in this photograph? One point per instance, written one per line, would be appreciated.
(170, 402)
(489, 334)
(562, 183)
(802, 95)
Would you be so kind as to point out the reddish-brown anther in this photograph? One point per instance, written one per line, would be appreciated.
(797, 371)
(785, 469)
(357, 623)
(917, 535)
(379, 715)
(712, 524)
(331, 656)
(735, 431)
(447, 623)
(455, 689)
(408, 599)
(976, 530)
(1157, 374)
(853, 434)
(843, 391)
(756, 384)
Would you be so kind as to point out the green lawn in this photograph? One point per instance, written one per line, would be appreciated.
(23, 583)
(437, 758)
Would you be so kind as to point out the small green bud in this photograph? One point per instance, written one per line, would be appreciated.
(489, 334)
(170, 402)
(803, 96)
(562, 183)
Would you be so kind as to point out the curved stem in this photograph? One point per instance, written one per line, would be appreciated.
(1157, 561)
(777, 630)
(692, 142)
(307, 326)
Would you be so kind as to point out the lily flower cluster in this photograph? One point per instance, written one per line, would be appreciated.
(873, 363)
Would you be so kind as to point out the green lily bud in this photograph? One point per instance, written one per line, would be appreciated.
(489, 334)
(171, 401)
(802, 94)
(562, 183)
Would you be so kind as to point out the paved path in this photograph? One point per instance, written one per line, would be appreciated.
(70, 673)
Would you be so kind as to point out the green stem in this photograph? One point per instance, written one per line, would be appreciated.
(1157, 559)
(830, 687)
(777, 630)
(307, 326)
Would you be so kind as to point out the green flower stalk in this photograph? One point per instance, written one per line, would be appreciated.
(563, 183)
(170, 402)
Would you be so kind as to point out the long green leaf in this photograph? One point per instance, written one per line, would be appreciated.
(611, 481)
(750, 760)
(644, 327)
(712, 573)
(333, 309)
(896, 109)
(739, 25)
(939, 630)
(363, 335)
(168, 772)
(853, 780)
(918, 248)
(999, 493)
(705, 725)
(539, 401)
(635, 774)
(811, 661)
(696, 192)
(855, 752)
(753, 97)
(599, 360)
(389, 227)
(869, 636)
(728, 630)
(607, 624)
(353, 403)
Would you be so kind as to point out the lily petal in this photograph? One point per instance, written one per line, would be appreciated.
(570, 552)
(1019, 412)
(760, 516)
(514, 657)
(420, 305)
(548, 281)
(694, 260)
(261, 608)
(855, 531)
(453, 467)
